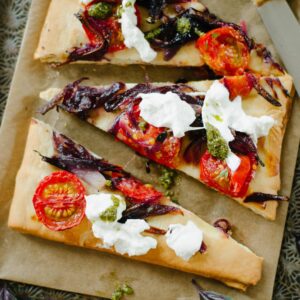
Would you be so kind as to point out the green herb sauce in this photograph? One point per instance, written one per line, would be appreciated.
(142, 125)
(216, 145)
(153, 34)
(101, 10)
(110, 214)
(108, 183)
(122, 290)
(167, 178)
(128, 4)
(183, 25)
(199, 32)
(215, 35)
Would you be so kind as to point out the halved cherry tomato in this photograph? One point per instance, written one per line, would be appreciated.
(151, 141)
(116, 37)
(59, 201)
(224, 50)
(216, 174)
(136, 191)
(238, 85)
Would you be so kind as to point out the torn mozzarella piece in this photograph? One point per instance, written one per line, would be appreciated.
(167, 110)
(133, 36)
(85, 2)
(224, 114)
(125, 238)
(185, 240)
(232, 161)
(96, 204)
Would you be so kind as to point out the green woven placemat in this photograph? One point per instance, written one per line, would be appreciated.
(13, 16)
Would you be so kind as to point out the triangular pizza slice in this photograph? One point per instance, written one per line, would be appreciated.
(158, 32)
(68, 194)
(225, 133)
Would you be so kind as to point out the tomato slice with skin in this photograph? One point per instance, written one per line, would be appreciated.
(146, 142)
(216, 174)
(136, 191)
(224, 50)
(238, 85)
(59, 201)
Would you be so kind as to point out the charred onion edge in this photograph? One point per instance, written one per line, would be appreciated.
(155, 230)
(203, 248)
(59, 98)
(224, 226)
(262, 197)
(261, 91)
(143, 211)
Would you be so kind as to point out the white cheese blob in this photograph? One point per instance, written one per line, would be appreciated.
(85, 2)
(125, 238)
(96, 204)
(167, 110)
(232, 161)
(185, 240)
(133, 36)
(224, 114)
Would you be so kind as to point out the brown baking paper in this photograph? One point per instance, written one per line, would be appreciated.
(32, 260)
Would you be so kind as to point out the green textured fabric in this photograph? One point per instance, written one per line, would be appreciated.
(13, 15)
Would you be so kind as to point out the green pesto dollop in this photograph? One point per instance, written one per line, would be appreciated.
(101, 10)
(108, 183)
(183, 25)
(167, 178)
(153, 33)
(216, 144)
(110, 214)
(142, 125)
(199, 32)
(122, 290)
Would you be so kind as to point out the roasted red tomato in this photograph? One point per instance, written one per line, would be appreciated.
(216, 174)
(116, 37)
(109, 28)
(59, 201)
(224, 50)
(146, 139)
(136, 191)
(238, 85)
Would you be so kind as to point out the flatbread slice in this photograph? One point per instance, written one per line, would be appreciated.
(260, 195)
(219, 260)
(63, 38)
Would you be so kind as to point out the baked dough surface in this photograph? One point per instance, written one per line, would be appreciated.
(225, 259)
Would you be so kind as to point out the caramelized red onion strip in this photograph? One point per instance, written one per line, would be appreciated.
(155, 230)
(224, 225)
(78, 99)
(145, 210)
(262, 197)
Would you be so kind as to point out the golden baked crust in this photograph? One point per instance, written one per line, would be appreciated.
(267, 179)
(219, 262)
(260, 2)
(62, 31)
